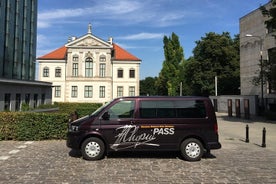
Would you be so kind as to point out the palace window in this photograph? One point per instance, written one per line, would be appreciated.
(45, 72)
(58, 72)
(131, 91)
(57, 91)
(120, 91)
(74, 91)
(88, 91)
(102, 69)
(120, 73)
(75, 71)
(131, 73)
(89, 67)
(102, 91)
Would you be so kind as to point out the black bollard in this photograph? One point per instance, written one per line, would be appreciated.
(263, 142)
(247, 134)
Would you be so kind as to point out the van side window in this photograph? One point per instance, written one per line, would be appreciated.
(190, 109)
(122, 109)
(172, 109)
(157, 109)
(147, 109)
(165, 109)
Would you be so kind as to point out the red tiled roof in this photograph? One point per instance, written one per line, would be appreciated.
(120, 54)
(59, 53)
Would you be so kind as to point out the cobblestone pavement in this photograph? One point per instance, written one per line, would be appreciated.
(236, 162)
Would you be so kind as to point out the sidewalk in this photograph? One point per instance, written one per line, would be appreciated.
(232, 128)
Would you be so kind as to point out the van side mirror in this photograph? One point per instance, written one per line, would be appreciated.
(106, 116)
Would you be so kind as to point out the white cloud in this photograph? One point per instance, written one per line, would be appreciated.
(61, 13)
(124, 12)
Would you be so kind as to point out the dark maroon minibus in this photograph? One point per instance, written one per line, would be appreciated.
(185, 124)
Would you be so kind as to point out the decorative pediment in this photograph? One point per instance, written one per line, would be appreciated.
(89, 41)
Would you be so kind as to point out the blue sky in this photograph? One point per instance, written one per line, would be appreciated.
(139, 25)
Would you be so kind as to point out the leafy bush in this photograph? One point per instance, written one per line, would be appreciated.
(8, 121)
(25, 107)
(41, 126)
(82, 109)
(32, 126)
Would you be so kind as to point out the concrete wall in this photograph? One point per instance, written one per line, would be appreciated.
(223, 103)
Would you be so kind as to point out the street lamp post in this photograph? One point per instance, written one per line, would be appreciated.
(261, 73)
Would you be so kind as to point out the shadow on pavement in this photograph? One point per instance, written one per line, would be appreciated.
(140, 154)
(137, 154)
(75, 153)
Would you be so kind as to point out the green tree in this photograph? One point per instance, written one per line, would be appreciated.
(147, 86)
(168, 82)
(214, 55)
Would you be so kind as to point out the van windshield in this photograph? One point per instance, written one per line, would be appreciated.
(96, 112)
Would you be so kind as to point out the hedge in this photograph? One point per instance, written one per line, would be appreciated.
(25, 126)
(82, 109)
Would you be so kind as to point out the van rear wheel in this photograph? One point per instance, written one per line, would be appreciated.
(92, 149)
(191, 149)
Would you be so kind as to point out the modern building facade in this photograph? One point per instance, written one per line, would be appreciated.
(255, 44)
(89, 69)
(18, 22)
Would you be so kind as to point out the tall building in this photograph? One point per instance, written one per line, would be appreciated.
(18, 22)
(89, 69)
(256, 44)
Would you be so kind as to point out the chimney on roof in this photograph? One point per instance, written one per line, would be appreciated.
(110, 40)
(89, 28)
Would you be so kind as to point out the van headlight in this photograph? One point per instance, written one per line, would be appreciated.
(73, 128)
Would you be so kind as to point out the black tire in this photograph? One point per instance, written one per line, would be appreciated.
(92, 149)
(191, 149)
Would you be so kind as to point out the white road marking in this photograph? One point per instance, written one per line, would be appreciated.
(4, 157)
(14, 151)
(22, 146)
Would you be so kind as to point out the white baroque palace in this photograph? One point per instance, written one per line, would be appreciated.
(89, 69)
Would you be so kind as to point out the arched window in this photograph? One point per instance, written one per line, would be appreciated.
(89, 67)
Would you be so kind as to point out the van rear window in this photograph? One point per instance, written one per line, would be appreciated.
(172, 109)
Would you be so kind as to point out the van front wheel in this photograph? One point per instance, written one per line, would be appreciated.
(191, 149)
(92, 149)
